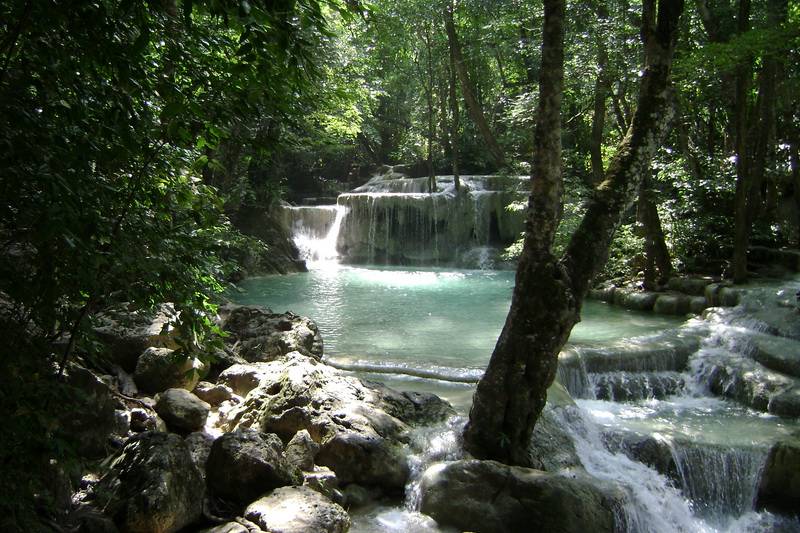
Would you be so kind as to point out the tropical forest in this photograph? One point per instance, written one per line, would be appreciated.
(413, 266)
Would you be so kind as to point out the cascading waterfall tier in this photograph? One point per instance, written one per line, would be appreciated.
(395, 220)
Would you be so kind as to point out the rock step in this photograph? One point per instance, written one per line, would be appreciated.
(777, 353)
(752, 384)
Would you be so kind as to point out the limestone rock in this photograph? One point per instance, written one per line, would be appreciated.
(246, 463)
(97, 419)
(181, 409)
(672, 304)
(301, 450)
(298, 510)
(361, 427)
(487, 497)
(780, 483)
(229, 527)
(257, 334)
(211, 393)
(131, 332)
(242, 378)
(159, 369)
(145, 420)
(153, 485)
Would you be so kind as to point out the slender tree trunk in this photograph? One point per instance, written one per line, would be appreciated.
(794, 159)
(454, 123)
(599, 118)
(549, 291)
(741, 228)
(601, 90)
(658, 264)
(474, 107)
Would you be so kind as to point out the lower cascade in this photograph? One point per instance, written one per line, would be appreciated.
(675, 421)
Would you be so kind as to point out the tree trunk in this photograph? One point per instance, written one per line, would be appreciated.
(474, 107)
(658, 264)
(455, 123)
(549, 291)
(741, 226)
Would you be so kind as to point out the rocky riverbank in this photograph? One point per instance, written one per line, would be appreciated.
(272, 439)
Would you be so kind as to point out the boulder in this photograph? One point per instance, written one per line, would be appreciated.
(301, 450)
(246, 463)
(211, 393)
(182, 410)
(242, 378)
(145, 420)
(297, 510)
(153, 486)
(361, 427)
(672, 304)
(487, 497)
(97, 419)
(777, 353)
(130, 332)
(257, 334)
(688, 285)
(780, 482)
(159, 369)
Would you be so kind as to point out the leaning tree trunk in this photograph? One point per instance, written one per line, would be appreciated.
(474, 107)
(549, 291)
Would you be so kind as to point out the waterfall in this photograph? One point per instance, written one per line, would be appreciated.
(398, 220)
(315, 230)
(653, 505)
(720, 481)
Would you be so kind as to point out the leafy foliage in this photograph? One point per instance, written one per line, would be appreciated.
(115, 117)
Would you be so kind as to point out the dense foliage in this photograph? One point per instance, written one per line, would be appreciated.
(133, 130)
(113, 112)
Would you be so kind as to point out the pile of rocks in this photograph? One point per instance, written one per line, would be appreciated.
(277, 442)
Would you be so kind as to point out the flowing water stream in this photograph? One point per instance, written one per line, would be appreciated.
(644, 415)
(429, 329)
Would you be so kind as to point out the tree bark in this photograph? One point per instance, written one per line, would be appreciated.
(454, 123)
(549, 291)
(474, 107)
(658, 264)
(741, 225)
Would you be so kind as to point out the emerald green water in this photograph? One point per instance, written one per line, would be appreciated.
(433, 321)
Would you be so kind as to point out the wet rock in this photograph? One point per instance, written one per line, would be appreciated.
(246, 463)
(153, 486)
(361, 427)
(258, 335)
(211, 393)
(486, 496)
(777, 353)
(298, 510)
(635, 299)
(672, 304)
(182, 410)
(688, 285)
(786, 403)
(159, 369)
(780, 483)
(746, 381)
(552, 447)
